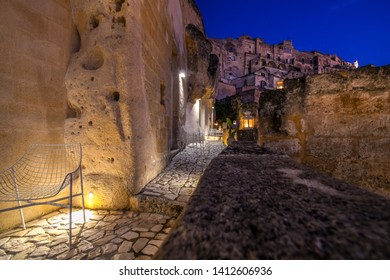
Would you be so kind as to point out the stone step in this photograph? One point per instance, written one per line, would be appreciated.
(158, 205)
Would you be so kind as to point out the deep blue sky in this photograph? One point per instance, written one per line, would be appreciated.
(352, 29)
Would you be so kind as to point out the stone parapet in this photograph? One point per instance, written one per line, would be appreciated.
(253, 204)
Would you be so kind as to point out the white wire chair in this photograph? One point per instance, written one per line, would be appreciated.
(196, 141)
(40, 174)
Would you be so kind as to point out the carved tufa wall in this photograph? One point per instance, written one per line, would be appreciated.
(37, 39)
(337, 123)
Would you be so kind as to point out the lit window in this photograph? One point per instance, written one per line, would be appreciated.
(279, 85)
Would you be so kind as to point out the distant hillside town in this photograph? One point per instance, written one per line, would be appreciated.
(248, 64)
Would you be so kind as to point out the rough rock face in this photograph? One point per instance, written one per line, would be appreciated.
(201, 65)
(336, 122)
(99, 99)
(125, 95)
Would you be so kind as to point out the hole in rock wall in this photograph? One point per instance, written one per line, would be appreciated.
(76, 40)
(94, 22)
(93, 60)
(119, 20)
(116, 95)
(162, 92)
(118, 5)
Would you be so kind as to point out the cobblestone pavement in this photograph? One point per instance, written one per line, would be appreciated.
(170, 191)
(111, 234)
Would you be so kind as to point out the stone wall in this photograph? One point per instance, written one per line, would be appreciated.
(126, 94)
(337, 123)
(36, 42)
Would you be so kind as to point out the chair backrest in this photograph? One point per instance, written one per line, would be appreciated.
(42, 170)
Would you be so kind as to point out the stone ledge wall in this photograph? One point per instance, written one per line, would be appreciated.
(338, 123)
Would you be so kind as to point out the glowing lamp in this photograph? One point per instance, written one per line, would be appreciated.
(182, 75)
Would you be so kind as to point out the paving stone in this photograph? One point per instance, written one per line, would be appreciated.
(4, 240)
(84, 246)
(144, 216)
(148, 234)
(117, 240)
(151, 193)
(102, 224)
(56, 250)
(23, 254)
(140, 229)
(140, 244)
(90, 225)
(111, 218)
(155, 242)
(20, 233)
(124, 256)
(40, 252)
(144, 257)
(116, 212)
(14, 242)
(110, 226)
(157, 228)
(130, 235)
(104, 240)
(68, 254)
(96, 217)
(55, 232)
(35, 231)
(125, 247)
(170, 196)
(122, 230)
(186, 191)
(183, 198)
(79, 257)
(150, 250)
(109, 248)
(96, 236)
(161, 236)
(59, 240)
(95, 253)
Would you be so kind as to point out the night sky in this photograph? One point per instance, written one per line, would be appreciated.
(352, 29)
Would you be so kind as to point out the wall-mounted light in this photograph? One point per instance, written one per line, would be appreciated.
(182, 75)
(90, 195)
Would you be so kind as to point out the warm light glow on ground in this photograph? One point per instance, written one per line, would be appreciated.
(77, 215)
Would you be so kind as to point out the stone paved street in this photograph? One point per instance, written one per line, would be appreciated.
(114, 234)
(170, 191)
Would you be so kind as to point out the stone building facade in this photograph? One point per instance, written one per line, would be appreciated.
(252, 62)
(127, 79)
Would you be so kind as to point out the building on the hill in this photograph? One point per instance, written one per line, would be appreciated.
(252, 62)
(251, 65)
